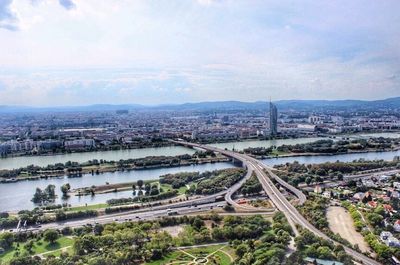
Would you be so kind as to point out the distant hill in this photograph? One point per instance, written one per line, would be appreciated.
(390, 103)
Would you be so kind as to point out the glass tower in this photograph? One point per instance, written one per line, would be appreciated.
(273, 119)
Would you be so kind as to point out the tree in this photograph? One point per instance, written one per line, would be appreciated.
(308, 180)
(6, 240)
(65, 189)
(50, 191)
(374, 219)
(26, 260)
(38, 196)
(241, 250)
(140, 183)
(51, 236)
(28, 246)
(98, 229)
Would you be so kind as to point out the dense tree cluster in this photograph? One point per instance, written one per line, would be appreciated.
(309, 245)
(251, 186)
(296, 173)
(219, 181)
(314, 211)
(341, 146)
(134, 243)
(62, 215)
(258, 151)
(150, 198)
(178, 180)
(47, 195)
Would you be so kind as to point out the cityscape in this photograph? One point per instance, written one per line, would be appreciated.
(199, 132)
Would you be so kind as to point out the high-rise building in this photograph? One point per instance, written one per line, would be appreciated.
(273, 119)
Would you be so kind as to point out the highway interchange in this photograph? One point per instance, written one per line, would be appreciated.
(265, 176)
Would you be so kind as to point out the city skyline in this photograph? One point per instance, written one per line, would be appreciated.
(75, 52)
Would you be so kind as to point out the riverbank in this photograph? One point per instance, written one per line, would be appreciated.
(88, 150)
(287, 155)
(114, 167)
(77, 170)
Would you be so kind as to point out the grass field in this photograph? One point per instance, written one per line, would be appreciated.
(89, 207)
(215, 255)
(167, 187)
(38, 248)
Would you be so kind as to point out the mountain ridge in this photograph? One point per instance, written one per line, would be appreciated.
(214, 105)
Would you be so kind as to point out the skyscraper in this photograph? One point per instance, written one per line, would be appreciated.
(273, 119)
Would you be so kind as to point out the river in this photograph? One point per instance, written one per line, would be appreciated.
(16, 196)
(23, 161)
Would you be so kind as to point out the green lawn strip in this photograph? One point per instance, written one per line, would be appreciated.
(219, 257)
(224, 259)
(89, 207)
(7, 256)
(278, 153)
(167, 187)
(37, 248)
(44, 247)
(57, 253)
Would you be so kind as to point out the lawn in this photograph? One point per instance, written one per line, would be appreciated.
(167, 187)
(181, 190)
(216, 255)
(89, 207)
(58, 252)
(278, 153)
(38, 248)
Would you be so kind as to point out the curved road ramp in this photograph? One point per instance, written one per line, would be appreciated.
(265, 176)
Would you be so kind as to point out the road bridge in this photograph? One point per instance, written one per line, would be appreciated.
(265, 175)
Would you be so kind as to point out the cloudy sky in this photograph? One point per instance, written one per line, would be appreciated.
(78, 52)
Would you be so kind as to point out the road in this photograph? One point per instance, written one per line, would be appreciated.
(148, 214)
(264, 175)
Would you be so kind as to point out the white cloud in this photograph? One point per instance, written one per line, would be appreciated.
(235, 50)
(8, 17)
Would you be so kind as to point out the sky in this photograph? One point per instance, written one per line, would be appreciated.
(82, 52)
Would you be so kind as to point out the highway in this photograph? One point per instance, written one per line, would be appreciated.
(264, 175)
(143, 215)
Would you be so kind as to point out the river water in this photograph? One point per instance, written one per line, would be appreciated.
(17, 162)
(23, 161)
(16, 196)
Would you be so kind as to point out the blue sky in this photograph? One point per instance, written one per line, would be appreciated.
(78, 52)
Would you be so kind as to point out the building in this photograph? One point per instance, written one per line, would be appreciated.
(313, 261)
(273, 119)
(389, 239)
(79, 144)
(396, 226)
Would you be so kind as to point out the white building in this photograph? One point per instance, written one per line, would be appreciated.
(389, 239)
